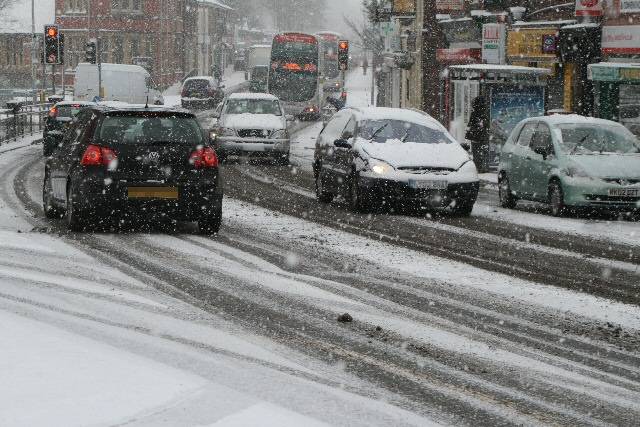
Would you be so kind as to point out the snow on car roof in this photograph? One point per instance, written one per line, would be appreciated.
(559, 119)
(207, 78)
(412, 116)
(251, 95)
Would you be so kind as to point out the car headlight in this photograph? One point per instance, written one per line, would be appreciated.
(468, 167)
(224, 132)
(280, 134)
(575, 171)
(379, 167)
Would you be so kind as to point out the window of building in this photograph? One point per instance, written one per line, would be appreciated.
(126, 6)
(75, 6)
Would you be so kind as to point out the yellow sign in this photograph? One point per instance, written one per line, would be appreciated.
(630, 74)
(529, 44)
(404, 7)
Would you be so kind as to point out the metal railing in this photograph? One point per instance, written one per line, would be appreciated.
(22, 120)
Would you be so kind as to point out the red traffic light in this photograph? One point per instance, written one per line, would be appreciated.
(343, 45)
(52, 32)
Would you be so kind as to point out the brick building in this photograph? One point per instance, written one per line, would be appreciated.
(159, 34)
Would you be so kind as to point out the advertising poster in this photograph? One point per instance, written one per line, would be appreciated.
(511, 104)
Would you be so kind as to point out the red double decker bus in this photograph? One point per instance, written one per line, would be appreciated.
(294, 74)
(329, 51)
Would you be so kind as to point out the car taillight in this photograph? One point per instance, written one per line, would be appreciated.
(96, 155)
(204, 158)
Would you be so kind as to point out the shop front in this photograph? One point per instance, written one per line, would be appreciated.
(536, 44)
(510, 94)
(617, 92)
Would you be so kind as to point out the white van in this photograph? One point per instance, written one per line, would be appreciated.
(120, 82)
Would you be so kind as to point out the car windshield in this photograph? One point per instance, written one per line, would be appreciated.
(138, 129)
(397, 130)
(253, 106)
(591, 138)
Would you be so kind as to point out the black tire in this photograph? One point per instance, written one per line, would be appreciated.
(462, 208)
(358, 202)
(50, 210)
(556, 200)
(76, 216)
(282, 159)
(507, 199)
(321, 194)
(211, 222)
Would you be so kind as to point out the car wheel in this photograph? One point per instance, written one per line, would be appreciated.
(462, 208)
(76, 216)
(507, 199)
(357, 201)
(283, 159)
(210, 224)
(50, 210)
(556, 199)
(322, 195)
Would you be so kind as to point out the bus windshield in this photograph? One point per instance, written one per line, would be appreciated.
(294, 67)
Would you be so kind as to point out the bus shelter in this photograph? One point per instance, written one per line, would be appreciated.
(511, 94)
(617, 92)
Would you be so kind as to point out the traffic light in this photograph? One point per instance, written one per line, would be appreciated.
(90, 52)
(52, 45)
(343, 54)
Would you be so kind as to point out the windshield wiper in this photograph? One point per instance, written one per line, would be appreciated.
(377, 131)
(579, 143)
(405, 136)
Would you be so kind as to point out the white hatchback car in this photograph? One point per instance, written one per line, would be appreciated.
(252, 123)
(390, 156)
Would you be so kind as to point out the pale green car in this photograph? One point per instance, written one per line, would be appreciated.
(571, 162)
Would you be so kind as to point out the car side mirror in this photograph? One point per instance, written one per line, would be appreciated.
(543, 150)
(290, 117)
(341, 143)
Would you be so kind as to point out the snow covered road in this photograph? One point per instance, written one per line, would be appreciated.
(242, 327)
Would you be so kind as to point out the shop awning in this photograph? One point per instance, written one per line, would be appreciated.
(617, 72)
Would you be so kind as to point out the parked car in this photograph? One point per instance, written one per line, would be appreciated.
(55, 124)
(201, 92)
(571, 162)
(252, 123)
(131, 159)
(385, 157)
(120, 82)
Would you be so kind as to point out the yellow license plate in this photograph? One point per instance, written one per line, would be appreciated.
(153, 192)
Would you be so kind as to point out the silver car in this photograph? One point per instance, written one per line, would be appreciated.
(251, 123)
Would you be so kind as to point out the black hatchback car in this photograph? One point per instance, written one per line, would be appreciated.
(201, 92)
(60, 115)
(151, 161)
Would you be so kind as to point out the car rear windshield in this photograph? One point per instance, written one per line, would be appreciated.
(149, 129)
(592, 138)
(397, 130)
(197, 84)
(68, 110)
(253, 106)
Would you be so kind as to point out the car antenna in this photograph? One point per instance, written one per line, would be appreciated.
(146, 103)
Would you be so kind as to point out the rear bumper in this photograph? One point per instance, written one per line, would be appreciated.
(199, 103)
(193, 202)
(401, 192)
